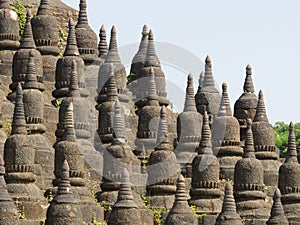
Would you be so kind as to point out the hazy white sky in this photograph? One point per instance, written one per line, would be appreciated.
(265, 34)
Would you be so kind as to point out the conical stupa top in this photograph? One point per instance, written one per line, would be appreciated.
(31, 79)
(229, 202)
(261, 115)
(118, 124)
(140, 57)
(225, 109)
(180, 195)
(205, 146)
(113, 53)
(64, 186)
(292, 150)
(74, 87)
(112, 90)
(4, 4)
(102, 47)
(71, 48)
(44, 8)
(277, 212)
(190, 104)
(201, 79)
(113, 39)
(27, 39)
(249, 151)
(19, 122)
(82, 17)
(248, 85)
(208, 75)
(162, 132)
(69, 132)
(151, 57)
(144, 41)
(152, 94)
(125, 197)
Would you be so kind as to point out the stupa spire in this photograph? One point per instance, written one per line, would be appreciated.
(102, 47)
(118, 124)
(113, 54)
(44, 8)
(82, 17)
(249, 151)
(229, 214)
(112, 89)
(205, 143)
(69, 132)
(248, 85)
(162, 132)
(292, 150)
(225, 109)
(277, 212)
(208, 80)
(151, 56)
(64, 187)
(261, 115)
(152, 93)
(73, 86)
(71, 48)
(190, 104)
(125, 197)
(19, 122)
(27, 39)
(31, 79)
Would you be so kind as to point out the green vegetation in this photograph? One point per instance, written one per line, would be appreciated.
(21, 12)
(157, 212)
(62, 38)
(7, 125)
(281, 131)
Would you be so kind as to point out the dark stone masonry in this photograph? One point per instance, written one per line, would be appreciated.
(83, 141)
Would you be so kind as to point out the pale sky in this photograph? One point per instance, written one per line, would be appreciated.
(265, 34)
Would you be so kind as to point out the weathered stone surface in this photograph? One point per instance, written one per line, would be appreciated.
(205, 191)
(229, 216)
(245, 106)
(19, 160)
(125, 210)
(110, 91)
(119, 155)
(277, 213)
(189, 124)
(64, 209)
(34, 115)
(149, 117)
(86, 37)
(45, 30)
(8, 210)
(249, 184)
(67, 149)
(208, 97)
(264, 145)
(21, 59)
(64, 66)
(151, 63)
(9, 40)
(181, 212)
(289, 182)
(102, 46)
(163, 169)
(226, 137)
(139, 59)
